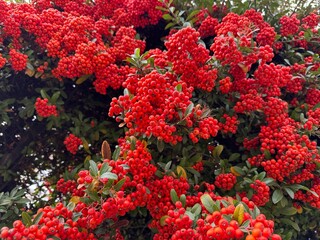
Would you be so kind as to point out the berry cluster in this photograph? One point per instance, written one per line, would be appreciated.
(17, 60)
(189, 59)
(262, 193)
(310, 197)
(160, 202)
(2, 61)
(69, 187)
(155, 107)
(72, 143)
(225, 181)
(84, 43)
(50, 224)
(207, 27)
(225, 85)
(44, 109)
(228, 124)
(251, 101)
(289, 25)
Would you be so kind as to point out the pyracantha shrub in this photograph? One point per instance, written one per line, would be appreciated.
(218, 123)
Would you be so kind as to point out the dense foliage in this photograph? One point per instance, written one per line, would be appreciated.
(159, 119)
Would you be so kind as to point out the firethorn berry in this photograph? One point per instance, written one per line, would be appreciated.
(249, 102)
(266, 36)
(198, 166)
(189, 59)
(230, 124)
(69, 186)
(72, 143)
(225, 85)
(261, 193)
(289, 25)
(18, 60)
(207, 27)
(49, 224)
(44, 109)
(313, 96)
(2, 61)
(225, 181)
(154, 107)
(250, 237)
(239, 234)
(275, 237)
(311, 21)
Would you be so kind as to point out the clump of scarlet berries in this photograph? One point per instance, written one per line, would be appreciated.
(2, 61)
(225, 181)
(219, 228)
(18, 60)
(72, 143)
(53, 221)
(44, 109)
(262, 193)
(227, 222)
(69, 186)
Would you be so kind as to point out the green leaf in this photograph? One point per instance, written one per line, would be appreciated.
(179, 87)
(277, 196)
(109, 175)
(255, 212)
(267, 154)
(167, 166)
(291, 223)
(245, 224)
(161, 8)
(192, 14)
(288, 211)
(53, 237)
(93, 168)
(44, 94)
(76, 216)
(160, 145)
(7, 215)
(268, 180)
(104, 168)
(237, 171)
(71, 206)
(169, 25)
(217, 151)
(22, 201)
(94, 196)
(183, 200)
(207, 202)
(174, 196)
(234, 156)
(37, 218)
(136, 53)
(26, 219)
(82, 79)
(119, 184)
(290, 192)
(316, 106)
(163, 220)
(55, 97)
(29, 66)
(261, 176)
(190, 215)
(189, 109)
(116, 153)
(167, 17)
(196, 209)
